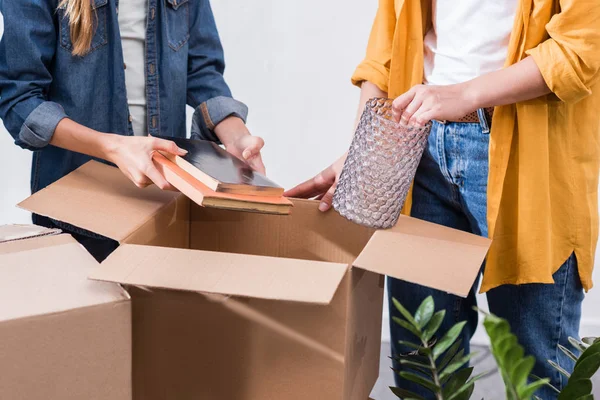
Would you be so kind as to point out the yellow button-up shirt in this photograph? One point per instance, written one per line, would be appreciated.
(544, 153)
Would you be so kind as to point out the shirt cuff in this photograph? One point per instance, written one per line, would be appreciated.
(210, 113)
(39, 127)
(372, 72)
(558, 72)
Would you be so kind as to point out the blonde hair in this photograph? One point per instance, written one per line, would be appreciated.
(81, 24)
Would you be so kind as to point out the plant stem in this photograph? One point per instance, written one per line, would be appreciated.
(436, 378)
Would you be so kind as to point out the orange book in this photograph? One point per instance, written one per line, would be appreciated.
(219, 170)
(202, 195)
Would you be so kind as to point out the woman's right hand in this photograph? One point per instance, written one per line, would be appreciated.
(322, 186)
(133, 156)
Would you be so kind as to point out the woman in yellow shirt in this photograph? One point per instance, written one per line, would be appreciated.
(513, 91)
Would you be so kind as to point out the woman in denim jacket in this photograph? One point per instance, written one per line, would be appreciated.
(64, 92)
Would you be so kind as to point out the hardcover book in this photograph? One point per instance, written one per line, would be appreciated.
(211, 177)
(221, 171)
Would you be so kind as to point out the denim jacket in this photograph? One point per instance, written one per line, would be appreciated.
(41, 82)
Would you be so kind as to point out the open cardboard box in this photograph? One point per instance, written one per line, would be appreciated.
(62, 336)
(232, 305)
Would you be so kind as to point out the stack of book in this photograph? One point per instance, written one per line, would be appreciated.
(212, 177)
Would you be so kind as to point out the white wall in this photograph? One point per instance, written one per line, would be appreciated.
(291, 63)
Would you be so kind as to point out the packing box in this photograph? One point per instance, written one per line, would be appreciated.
(62, 336)
(232, 305)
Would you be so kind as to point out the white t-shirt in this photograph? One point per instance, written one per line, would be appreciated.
(132, 24)
(469, 38)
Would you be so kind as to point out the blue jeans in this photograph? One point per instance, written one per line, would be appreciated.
(451, 189)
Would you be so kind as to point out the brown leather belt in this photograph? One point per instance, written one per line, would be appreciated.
(474, 117)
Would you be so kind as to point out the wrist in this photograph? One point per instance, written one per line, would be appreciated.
(230, 130)
(473, 95)
(108, 144)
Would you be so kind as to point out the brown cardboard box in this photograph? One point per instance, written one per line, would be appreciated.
(62, 336)
(233, 306)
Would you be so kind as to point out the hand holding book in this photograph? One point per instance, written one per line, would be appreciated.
(238, 141)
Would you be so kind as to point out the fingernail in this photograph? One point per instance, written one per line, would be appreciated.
(323, 206)
(182, 151)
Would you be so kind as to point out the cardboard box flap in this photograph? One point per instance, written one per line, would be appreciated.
(223, 273)
(99, 198)
(9, 233)
(427, 254)
(50, 279)
(16, 246)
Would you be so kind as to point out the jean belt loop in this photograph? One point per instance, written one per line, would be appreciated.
(485, 127)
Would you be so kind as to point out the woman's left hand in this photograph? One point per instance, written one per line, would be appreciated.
(424, 103)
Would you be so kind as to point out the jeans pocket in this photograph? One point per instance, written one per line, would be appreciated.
(100, 38)
(178, 23)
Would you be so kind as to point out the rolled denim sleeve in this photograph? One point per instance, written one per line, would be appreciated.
(213, 111)
(26, 50)
(207, 91)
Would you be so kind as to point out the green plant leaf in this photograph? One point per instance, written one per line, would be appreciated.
(533, 378)
(457, 381)
(521, 371)
(468, 386)
(504, 344)
(419, 380)
(590, 340)
(461, 391)
(496, 326)
(559, 368)
(406, 325)
(424, 312)
(405, 394)
(410, 344)
(423, 368)
(586, 397)
(590, 351)
(454, 366)
(576, 389)
(448, 339)
(452, 351)
(568, 352)
(587, 368)
(433, 325)
(458, 356)
(525, 392)
(512, 358)
(405, 313)
(578, 345)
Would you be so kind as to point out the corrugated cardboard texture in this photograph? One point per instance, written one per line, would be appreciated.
(50, 279)
(13, 232)
(363, 334)
(169, 227)
(99, 198)
(222, 273)
(74, 355)
(306, 234)
(425, 253)
(35, 243)
(188, 348)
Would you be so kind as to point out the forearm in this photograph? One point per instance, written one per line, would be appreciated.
(75, 137)
(520, 82)
(368, 91)
(231, 129)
